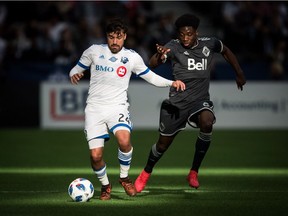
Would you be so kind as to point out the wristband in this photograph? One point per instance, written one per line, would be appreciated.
(165, 58)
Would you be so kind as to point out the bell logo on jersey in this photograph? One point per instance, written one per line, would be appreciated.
(192, 65)
(121, 71)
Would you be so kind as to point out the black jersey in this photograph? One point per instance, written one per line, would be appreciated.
(193, 67)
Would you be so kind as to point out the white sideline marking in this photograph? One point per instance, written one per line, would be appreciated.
(157, 171)
(169, 191)
(31, 191)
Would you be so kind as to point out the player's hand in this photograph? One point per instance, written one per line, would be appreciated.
(76, 77)
(240, 80)
(162, 51)
(179, 85)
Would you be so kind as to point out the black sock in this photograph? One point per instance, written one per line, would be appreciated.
(153, 158)
(201, 147)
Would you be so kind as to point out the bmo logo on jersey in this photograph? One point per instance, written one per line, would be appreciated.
(104, 68)
(192, 65)
(121, 71)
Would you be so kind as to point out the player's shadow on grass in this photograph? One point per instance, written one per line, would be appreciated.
(189, 192)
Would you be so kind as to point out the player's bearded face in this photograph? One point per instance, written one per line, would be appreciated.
(115, 41)
(187, 36)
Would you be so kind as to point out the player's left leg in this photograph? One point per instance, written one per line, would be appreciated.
(125, 151)
(119, 123)
(206, 121)
(96, 134)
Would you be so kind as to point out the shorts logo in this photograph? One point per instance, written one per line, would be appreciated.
(205, 104)
(162, 126)
(121, 71)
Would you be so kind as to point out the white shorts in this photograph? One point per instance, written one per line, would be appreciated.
(102, 119)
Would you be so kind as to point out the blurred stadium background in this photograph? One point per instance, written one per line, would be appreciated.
(41, 114)
(42, 42)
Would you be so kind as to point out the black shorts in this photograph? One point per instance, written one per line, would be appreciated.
(173, 119)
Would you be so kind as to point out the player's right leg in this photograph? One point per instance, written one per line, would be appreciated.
(171, 122)
(96, 134)
(99, 167)
(192, 179)
(141, 181)
(155, 154)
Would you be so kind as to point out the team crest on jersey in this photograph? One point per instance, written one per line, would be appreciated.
(113, 59)
(121, 71)
(206, 51)
(124, 60)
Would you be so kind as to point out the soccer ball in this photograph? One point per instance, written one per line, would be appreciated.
(81, 190)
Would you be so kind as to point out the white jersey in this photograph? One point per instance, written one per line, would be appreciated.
(107, 102)
(110, 73)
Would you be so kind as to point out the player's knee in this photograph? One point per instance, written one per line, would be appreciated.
(124, 144)
(96, 158)
(123, 139)
(125, 148)
(163, 144)
(206, 126)
(161, 147)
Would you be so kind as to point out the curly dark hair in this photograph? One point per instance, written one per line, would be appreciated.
(187, 20)
(116, 25)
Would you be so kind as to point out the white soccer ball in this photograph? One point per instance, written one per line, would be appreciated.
(81, 190)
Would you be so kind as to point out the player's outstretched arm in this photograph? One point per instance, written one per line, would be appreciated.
(159, 81)
(231, 58)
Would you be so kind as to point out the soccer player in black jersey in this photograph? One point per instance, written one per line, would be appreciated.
(191, 58)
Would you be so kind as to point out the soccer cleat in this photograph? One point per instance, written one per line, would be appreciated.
(128, 186)
(106, 192)
(141, 181)
(192, 178)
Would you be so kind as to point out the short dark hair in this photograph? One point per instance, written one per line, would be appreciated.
(116, 25)
(187, 20)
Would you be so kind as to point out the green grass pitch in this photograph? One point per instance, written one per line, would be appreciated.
(245, 172)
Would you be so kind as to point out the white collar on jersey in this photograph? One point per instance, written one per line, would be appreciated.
(197, 42)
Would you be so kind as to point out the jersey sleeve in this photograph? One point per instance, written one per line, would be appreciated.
(83, 63)
(76, 69)
(156, 80)
(139, 67)
(217, 45)
(86, 60)
(141, 70)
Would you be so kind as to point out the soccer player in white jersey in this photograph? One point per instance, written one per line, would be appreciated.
(111, 66)
(191, 58)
